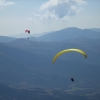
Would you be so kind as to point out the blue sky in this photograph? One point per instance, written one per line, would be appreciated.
(47, 15)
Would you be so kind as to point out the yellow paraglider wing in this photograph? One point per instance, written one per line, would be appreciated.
(68, 50)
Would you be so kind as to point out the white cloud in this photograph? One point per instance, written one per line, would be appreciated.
(58, 9)
(4, 3)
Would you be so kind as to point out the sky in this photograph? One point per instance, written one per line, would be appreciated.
(47, 15)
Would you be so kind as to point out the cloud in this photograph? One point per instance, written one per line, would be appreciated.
(4, 3)
(62, 8)
(58, 9)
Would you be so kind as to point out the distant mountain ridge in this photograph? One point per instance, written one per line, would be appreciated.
(69, 33)
(60, 35)
(95, 29)
(6, 39)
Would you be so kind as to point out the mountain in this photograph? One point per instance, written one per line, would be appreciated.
(6, 39)
(16, 65)
(60, 35)
(69, 33)
(27, 69)
(95, 29)
(25, 35)
(37, 56)
(12, 71)
(49, 49)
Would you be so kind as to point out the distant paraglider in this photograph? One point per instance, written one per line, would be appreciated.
(27, 31)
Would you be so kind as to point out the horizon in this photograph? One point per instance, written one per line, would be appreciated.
(23, 35)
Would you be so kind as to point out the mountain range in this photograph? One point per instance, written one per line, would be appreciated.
(60, 35)
(70, 33)
(25, 63)
(31, 63)
(96, 29)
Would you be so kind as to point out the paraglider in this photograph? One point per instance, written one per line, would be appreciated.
(69, 50)
(27, 31)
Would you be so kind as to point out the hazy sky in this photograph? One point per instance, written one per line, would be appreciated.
(47, 15)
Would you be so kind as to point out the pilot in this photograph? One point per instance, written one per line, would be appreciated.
(72, 79)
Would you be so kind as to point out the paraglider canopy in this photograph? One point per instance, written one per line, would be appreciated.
(27, 31)
(69, 50)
